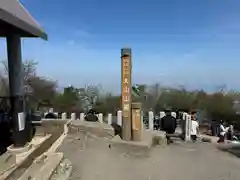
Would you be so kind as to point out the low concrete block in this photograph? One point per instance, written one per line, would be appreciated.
(204, 139)
(133, 148)
(130, 148)
(159, 138)
(96, 128)
(40, 131)
(207, 138)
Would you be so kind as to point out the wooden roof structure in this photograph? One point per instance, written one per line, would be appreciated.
(15, 19)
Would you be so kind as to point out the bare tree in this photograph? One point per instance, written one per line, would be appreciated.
(3, 85)
(29, 70)
(89, 95)
(39, 88)
(222, 88)
(153, 94)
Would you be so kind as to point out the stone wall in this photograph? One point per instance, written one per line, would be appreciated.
(110, 118)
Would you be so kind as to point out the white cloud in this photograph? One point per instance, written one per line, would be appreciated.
(79, 37)
(71, 42)
(80, 33)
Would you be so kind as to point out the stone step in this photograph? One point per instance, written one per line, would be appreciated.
(43, 167)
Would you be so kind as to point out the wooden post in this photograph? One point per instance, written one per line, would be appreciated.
(16, 88)
(137, 127)
(126, 92)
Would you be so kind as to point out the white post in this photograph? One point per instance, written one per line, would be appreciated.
(183, 124)
(81, 116)
(162, 114)
(64, 116)
(56, 113)
(119, 117)
(100, 117)
(174, 114)
(150, 120)
(188, 125)
(109, 119)
(184, 116)
(73, 116)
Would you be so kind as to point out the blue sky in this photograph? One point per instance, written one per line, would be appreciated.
(174, 42)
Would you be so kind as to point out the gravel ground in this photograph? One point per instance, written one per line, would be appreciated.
(93, 160)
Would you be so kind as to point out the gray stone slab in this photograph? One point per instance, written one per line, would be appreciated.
(95, 128)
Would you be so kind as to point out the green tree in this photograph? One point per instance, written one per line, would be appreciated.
(219, 104)
(68, 100)
(112, 103)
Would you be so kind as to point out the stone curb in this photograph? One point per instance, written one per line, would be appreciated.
(15, 171)
(50, 166)
(52, 162)
(63, 171)
(51, 151)
(59, 141)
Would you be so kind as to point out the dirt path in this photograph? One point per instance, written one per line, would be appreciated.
(94, 160)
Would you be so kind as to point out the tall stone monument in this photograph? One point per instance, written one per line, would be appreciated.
(126, 61)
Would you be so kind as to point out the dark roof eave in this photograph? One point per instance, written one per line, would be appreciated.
(29, 29)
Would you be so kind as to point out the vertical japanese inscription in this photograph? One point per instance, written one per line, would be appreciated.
(126, 86)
